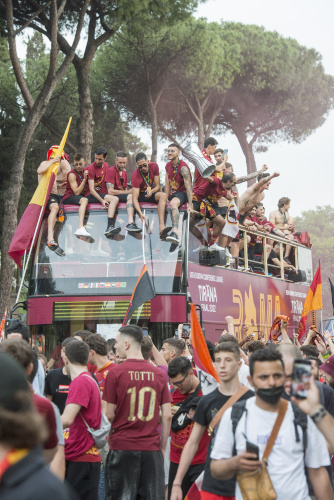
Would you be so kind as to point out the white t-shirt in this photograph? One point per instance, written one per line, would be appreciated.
(286, 460)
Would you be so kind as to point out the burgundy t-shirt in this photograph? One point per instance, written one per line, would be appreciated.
(79, 178)
(212, 191)
(98, 174)
(45, 408)
(137, 180)
(179, 439)
(118, 178)
(138, 389)
(176, 180)
(79, 444)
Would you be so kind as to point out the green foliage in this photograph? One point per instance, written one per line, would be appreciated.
(319, 223)
(10, 118)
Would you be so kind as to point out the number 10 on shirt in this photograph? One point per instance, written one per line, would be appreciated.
(141, 400)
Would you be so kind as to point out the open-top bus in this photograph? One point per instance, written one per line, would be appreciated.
(90, 287)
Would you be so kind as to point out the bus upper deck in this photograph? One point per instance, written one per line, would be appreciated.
(91, 284)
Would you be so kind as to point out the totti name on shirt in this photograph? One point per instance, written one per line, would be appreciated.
(141, 375)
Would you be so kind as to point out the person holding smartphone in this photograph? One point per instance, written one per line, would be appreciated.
(287, 460)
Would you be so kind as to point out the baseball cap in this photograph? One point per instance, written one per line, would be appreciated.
(12, 380)
(328, 367)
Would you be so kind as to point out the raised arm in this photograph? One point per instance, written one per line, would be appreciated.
(251, 176)
(74, 185)
(45, 165)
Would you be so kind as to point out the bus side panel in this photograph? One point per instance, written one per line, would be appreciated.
(251, 300)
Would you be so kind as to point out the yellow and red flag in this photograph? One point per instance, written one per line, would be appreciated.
(2, 326)
(205, 368)
(312, 302)
(25, 230)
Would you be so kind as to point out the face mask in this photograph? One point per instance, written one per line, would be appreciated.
(271, 395)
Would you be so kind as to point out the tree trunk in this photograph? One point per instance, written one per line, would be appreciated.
(246, 149)
(154, 122)
(82, 68)
(11, 200)
(200, 132)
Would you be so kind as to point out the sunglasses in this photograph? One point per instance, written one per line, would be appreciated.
(143, 165)
(79, 164)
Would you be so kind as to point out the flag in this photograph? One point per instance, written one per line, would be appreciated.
(2, 326)
(312, 302)
(206, 371)
(231, 227)
(142, 292)
(332, 293)
(194, 492)
(23, 236)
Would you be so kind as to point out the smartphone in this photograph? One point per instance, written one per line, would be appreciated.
(252, 448)
(186, 331)
(300, 378)
(145, 330)
(176, 332)
(225, 152)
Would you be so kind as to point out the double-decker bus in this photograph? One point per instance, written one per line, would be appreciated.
(91, 285)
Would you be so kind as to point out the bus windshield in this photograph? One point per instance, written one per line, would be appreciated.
(108, 265)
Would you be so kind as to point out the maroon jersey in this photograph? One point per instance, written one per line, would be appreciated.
(79, 178)
(137, 180)
(118, 178)
(175, 178)
(101, 374)
(212, 192)
(206, 156)
(98, 174)
(138, 389)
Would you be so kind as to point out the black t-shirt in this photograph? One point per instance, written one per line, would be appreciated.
(207, 408)
(56, 385)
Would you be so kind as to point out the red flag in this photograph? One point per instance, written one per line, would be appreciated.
(312, 302)
(33, 214)
(142, 292)
(205, 368)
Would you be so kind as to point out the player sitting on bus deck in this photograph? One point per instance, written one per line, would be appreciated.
(205, 199)
(178, 188)
(97, 172)
(283, 221)
(117, 185)
(142, 181)
(274, 260)
(57, 190)
(76, 191)
(254, 194)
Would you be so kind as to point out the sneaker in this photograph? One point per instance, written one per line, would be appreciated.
(133, 228)
(99, 253)
(112, 230)
(215, 247)
(82, 231)
(201, 248)
(173, 238)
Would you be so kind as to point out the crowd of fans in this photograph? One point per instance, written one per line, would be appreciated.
(169, 434)
(214, 199)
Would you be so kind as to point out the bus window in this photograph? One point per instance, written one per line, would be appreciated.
(112, 264)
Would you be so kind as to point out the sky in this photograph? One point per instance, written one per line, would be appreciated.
(311, 24)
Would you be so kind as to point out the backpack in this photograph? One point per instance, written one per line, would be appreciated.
(300, 418)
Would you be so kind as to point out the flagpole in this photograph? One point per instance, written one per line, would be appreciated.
(321, 323)
(143, 238)
(28, 258)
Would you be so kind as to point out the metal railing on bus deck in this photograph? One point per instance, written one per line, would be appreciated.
(265, 237)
